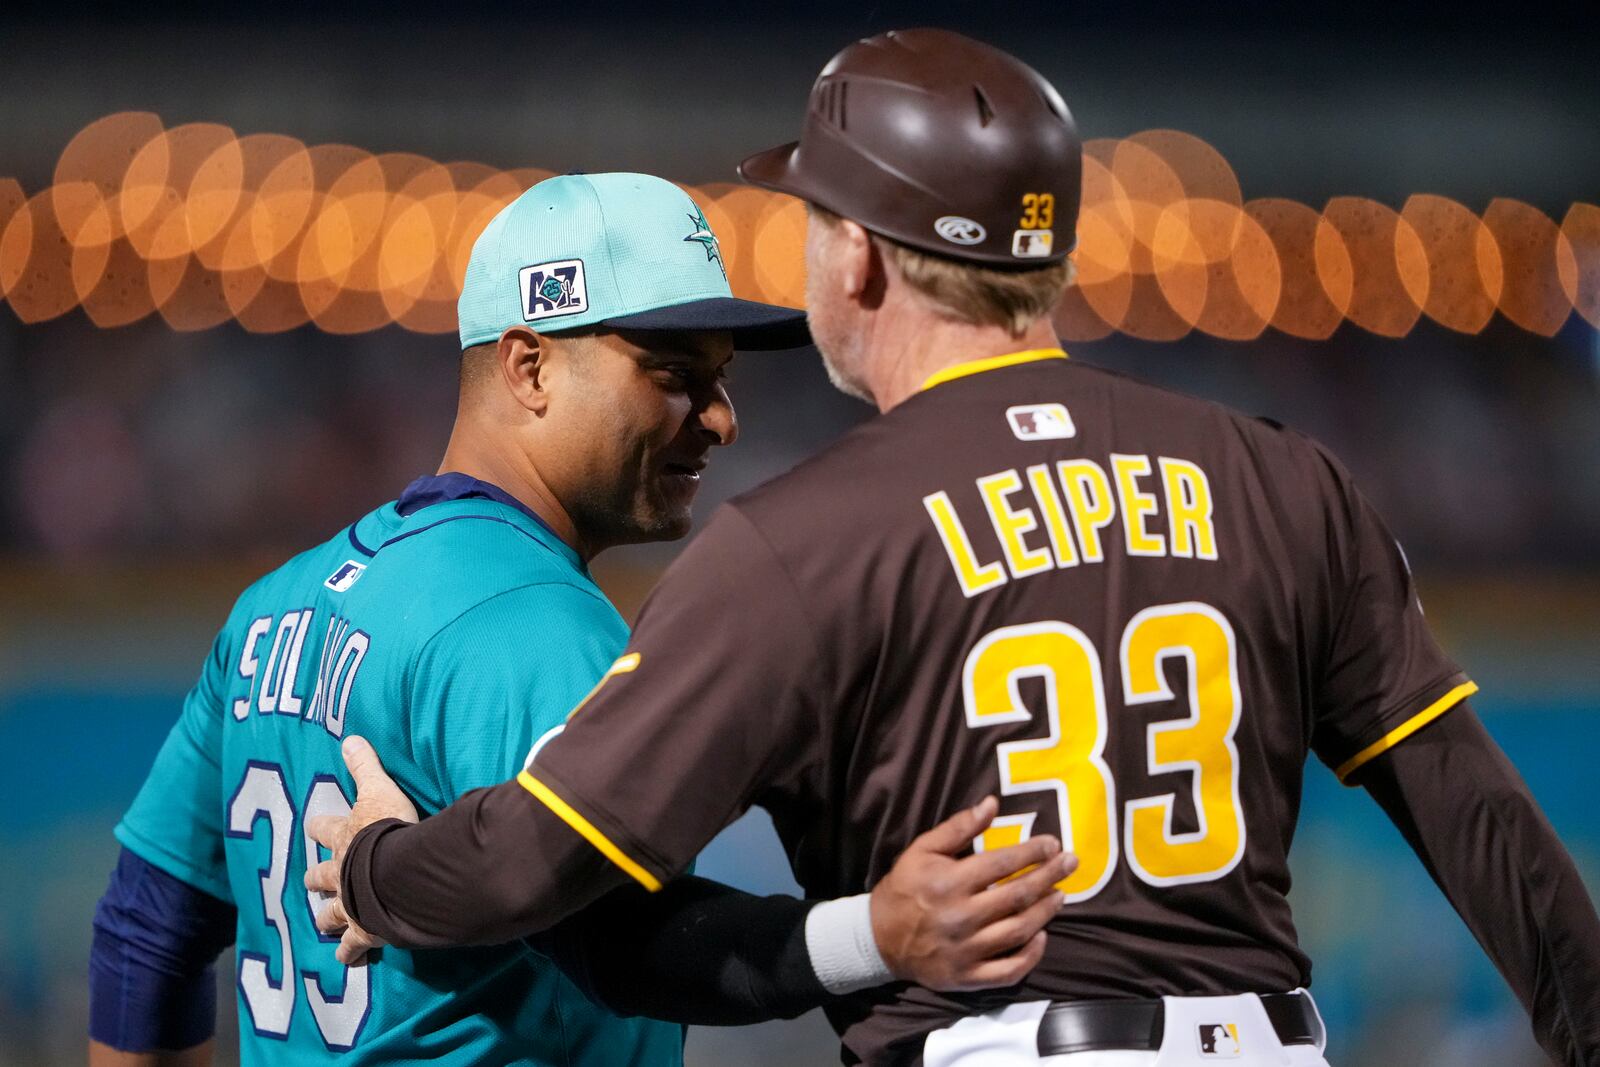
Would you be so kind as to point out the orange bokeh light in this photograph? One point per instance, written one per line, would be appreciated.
(1180, 261)
(1581, 228)
(1104, 282)
(1202, 171)
(1535, 255)
(99, 155)
(1314, 268)
(37, 258)
(779, 252)
(205, 226)
(155, 189)
(1238, 281)
(740, 208)
(121, 293)
(1390, 266)
(1464, 267)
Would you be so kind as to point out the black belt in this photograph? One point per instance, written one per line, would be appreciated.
(1139, 1025)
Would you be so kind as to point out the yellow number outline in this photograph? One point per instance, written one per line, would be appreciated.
(1069, 762)
(992, 696)
(1158, 855)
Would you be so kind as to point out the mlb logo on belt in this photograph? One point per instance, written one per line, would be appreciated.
(1220, 1041)
(553, 289)
(1041, 422)
(345, 576)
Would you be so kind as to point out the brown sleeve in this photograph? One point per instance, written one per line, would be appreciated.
(720, 696)
(697, 952)
(1383, 675)
(1470, 818)
(714, 700)
(490, 868)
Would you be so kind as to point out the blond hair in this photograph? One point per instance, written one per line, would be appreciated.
(978, 296)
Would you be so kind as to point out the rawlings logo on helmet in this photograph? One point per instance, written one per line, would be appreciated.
(959, 230)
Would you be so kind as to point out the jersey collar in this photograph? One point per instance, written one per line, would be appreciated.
(433, 489)
(978, 366)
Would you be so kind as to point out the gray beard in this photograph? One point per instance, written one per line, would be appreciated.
(842, 382)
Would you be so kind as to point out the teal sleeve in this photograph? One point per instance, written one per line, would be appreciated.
(175, 822)
(504, 674)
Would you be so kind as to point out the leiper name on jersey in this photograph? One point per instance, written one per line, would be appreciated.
(1164, 504)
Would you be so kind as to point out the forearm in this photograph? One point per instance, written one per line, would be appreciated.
(102, 1055)
(696, 952)
(493, 867)
(152, 981)
(1470, 818)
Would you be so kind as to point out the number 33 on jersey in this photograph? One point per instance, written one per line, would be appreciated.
(1069, 762)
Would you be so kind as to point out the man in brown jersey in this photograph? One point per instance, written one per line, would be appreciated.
(1135, 612)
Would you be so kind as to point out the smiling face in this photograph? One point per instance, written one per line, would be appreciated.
(638, 413)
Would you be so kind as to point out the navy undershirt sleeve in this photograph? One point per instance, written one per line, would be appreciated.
(152, 981)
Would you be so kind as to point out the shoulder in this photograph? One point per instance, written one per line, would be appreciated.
(299, 580)
(475, 572)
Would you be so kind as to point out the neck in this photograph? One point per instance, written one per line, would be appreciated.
(915, 344)
(480, 452)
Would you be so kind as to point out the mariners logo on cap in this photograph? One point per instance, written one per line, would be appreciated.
(708, 240)
(553, 289)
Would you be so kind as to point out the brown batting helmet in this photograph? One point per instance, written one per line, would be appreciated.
(939, 142)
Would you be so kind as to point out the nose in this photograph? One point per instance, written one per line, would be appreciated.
(718, 422)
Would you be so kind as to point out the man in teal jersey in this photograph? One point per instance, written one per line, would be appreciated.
(454, 627)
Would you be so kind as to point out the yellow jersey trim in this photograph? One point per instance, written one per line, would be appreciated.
(627, 663)
(978, 366)
(588, 830)
(1406, 729)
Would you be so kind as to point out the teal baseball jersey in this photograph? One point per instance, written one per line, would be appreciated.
(452, 631)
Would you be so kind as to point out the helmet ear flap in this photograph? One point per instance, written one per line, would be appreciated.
(983, 166)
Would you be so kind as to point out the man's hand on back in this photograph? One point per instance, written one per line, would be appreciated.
(971, 923)
(377, 798)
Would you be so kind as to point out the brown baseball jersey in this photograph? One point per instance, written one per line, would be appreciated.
(1130, 613)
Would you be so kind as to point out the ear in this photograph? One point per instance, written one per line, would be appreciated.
(523, 360)
(862, 270)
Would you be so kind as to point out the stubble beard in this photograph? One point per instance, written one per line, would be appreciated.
(839, 361)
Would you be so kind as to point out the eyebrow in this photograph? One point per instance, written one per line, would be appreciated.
(686, 352)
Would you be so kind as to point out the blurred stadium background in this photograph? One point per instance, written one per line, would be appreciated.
(229, 240)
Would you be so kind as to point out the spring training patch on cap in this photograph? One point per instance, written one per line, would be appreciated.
(550, 290)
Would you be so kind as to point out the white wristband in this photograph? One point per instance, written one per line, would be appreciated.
(844, 951)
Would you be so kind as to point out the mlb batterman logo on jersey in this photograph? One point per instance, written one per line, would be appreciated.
(1041, 422)
(1220, 1041)
(345, 576)
(553, 289)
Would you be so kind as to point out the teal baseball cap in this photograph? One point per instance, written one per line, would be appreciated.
(621, 251)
